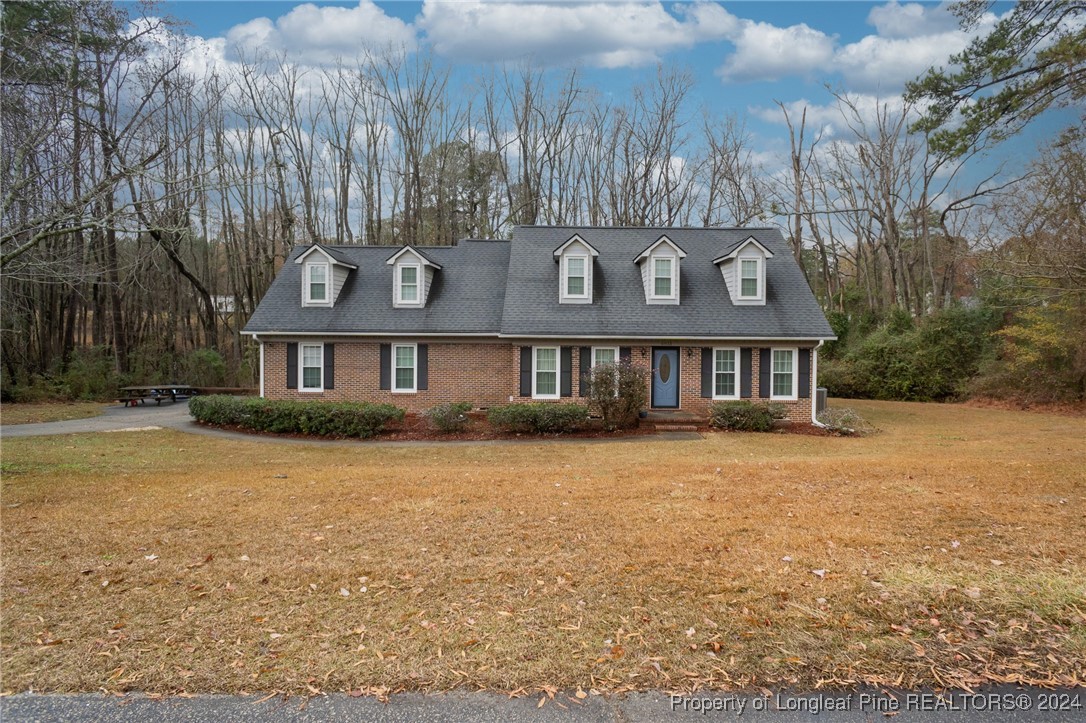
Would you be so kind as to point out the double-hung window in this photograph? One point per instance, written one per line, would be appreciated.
(545, 372)
(725, 373)
(316, 287)
(749, 279)
(404, 368)
(312, 364)
(409, 284)
(784, 374)
(663, 282)
(576, 277)
(604, 355)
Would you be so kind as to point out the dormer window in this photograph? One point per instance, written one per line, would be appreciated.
(324, 271)
(576, 274)
(663, 278)
(744, 271)
(316, 283)
(575, 259)
(750, 278)
(660, 271)
(412, 274)
(408, 277)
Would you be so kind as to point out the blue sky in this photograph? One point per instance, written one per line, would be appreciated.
(743, 56)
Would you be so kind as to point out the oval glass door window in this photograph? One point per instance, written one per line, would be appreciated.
(665, 369)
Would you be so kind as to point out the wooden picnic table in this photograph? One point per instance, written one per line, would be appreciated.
(132, 396)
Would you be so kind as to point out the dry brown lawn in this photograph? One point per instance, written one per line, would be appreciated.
(947, 550)
(48, 412)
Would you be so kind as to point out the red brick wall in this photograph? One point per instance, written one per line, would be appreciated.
(483, 373)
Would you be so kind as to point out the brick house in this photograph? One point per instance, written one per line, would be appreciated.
(714, 313)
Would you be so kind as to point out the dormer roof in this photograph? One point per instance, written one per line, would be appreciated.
(733, 251)
(655, 245)
(426, 260)
(336, 258)
(573, 240)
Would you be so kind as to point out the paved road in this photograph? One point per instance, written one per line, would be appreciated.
(999, 704)
(168, 414)
(175, 415)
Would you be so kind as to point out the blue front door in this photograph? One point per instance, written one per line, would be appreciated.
(665, 378)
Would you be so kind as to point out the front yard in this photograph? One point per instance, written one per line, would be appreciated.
(948, 550)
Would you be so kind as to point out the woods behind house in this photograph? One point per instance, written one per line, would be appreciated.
(149, 198)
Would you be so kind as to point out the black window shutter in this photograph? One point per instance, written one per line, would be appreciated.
(526, 371)
(804, 373)
(292, 366)
(707, 372)
(586, 369)
(745, 369)
(329, 366)
(567, 371)
(624, 354)
(386, 366)
(423, 371)
(765, 366)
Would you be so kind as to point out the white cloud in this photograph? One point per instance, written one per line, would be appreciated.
(910, 20)
(875, 62)
(767, 52)
(313, 35)
(608, 35)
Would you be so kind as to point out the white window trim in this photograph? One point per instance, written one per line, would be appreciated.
(737, 373)
(557, 372)
(414, 369)
(795, 374)
(615, 349)
(587, 276)
(618, 360)
(327, 300)
(674, 277)
(418, 284)
(758, 276)
(301, 369)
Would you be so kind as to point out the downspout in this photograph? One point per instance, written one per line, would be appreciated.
(814, 383)
(262, 365)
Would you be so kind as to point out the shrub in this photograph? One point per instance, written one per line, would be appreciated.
(90, 374)
(744, 416)
(618, 392)
(203, 367)
(539, 417)
(933, 359)
(327, 419)
(449, 417)
(845, 421)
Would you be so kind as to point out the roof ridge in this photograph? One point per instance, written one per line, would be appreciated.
(651, 228)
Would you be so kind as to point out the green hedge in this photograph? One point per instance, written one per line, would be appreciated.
(539, 417)
(743, 416)
(326, 419)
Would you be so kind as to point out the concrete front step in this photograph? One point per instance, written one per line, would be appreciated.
(675, 427)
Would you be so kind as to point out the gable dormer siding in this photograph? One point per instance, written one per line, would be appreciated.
(339, 278)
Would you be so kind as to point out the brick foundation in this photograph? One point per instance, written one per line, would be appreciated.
(483, 373)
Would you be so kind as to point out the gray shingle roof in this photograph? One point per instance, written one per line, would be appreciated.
(619, 308)
(491, 287)
(466, 296)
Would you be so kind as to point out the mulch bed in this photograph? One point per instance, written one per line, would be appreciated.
(416, 428)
